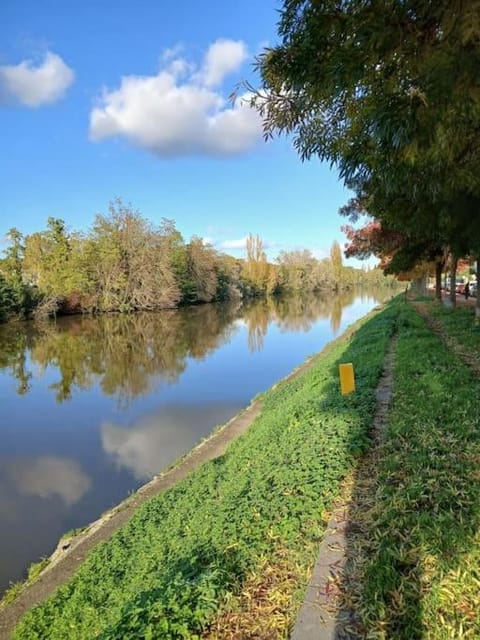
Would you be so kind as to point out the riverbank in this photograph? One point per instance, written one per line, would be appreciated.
(73, 547)
(95, 407)
(216, 517)
(228, 551)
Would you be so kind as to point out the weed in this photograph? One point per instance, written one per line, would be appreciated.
(16, 588)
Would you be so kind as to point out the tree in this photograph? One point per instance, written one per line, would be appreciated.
(16, 296)
(348, 78)
(8, 299)
(134, 267)
(12, 263)
(256, 270)
(337, 262)
(53, 263)
(229, 273)
(387, 92)
(201, 272)
(297, 268)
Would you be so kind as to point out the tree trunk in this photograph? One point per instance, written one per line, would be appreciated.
(438, 281)
(453, 281)
(477, 303)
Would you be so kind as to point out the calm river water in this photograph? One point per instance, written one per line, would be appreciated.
(91, 408)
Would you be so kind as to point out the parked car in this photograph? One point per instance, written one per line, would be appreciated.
(459, 285)
(473, 289)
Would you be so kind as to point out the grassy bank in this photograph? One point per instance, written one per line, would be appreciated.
(248, 522)
(416, 550)
(459, 323)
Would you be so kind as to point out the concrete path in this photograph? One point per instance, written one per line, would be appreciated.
(321, 616)
(317, 619)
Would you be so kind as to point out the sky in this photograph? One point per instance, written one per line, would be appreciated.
(102, 99)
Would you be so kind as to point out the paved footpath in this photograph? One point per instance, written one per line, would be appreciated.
(321, 617)
(318, 618)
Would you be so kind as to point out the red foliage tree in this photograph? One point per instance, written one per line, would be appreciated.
(372, 239)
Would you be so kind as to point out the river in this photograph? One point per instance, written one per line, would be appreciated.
(92, 408)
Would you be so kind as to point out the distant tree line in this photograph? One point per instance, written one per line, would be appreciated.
(125, 263)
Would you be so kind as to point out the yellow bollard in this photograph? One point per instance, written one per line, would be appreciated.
(347, 378)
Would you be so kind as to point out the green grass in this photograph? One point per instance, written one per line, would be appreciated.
(13, 591)
(418, 558)
(186, 555)
(459, 323)
(72, 533)
(34, 570)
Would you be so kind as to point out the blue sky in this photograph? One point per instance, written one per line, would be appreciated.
(100, 99)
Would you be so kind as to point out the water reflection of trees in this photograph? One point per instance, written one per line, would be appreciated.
(299, 313)
(15, 342)
(122, 354)
(126, 354)
(257, 316)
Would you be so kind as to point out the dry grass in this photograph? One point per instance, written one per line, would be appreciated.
(263, 610)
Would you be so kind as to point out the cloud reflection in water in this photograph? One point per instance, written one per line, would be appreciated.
(49, 476)
(155, 441)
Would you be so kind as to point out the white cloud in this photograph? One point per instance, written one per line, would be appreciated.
(241, 243)
(234, 244)
(223, 57)
(172, 52)
(33, 85)
(320, 253)
(177, 112)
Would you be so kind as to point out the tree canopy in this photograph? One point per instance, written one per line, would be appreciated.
(360, 82)
(387, 91)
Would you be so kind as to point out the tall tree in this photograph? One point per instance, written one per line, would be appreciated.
(387, 92)
(51, 264)
(337, 262)
(12, 263)
(297, 268)
(256, 270)
(201, 270)
(350, 77)
(16, 294)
